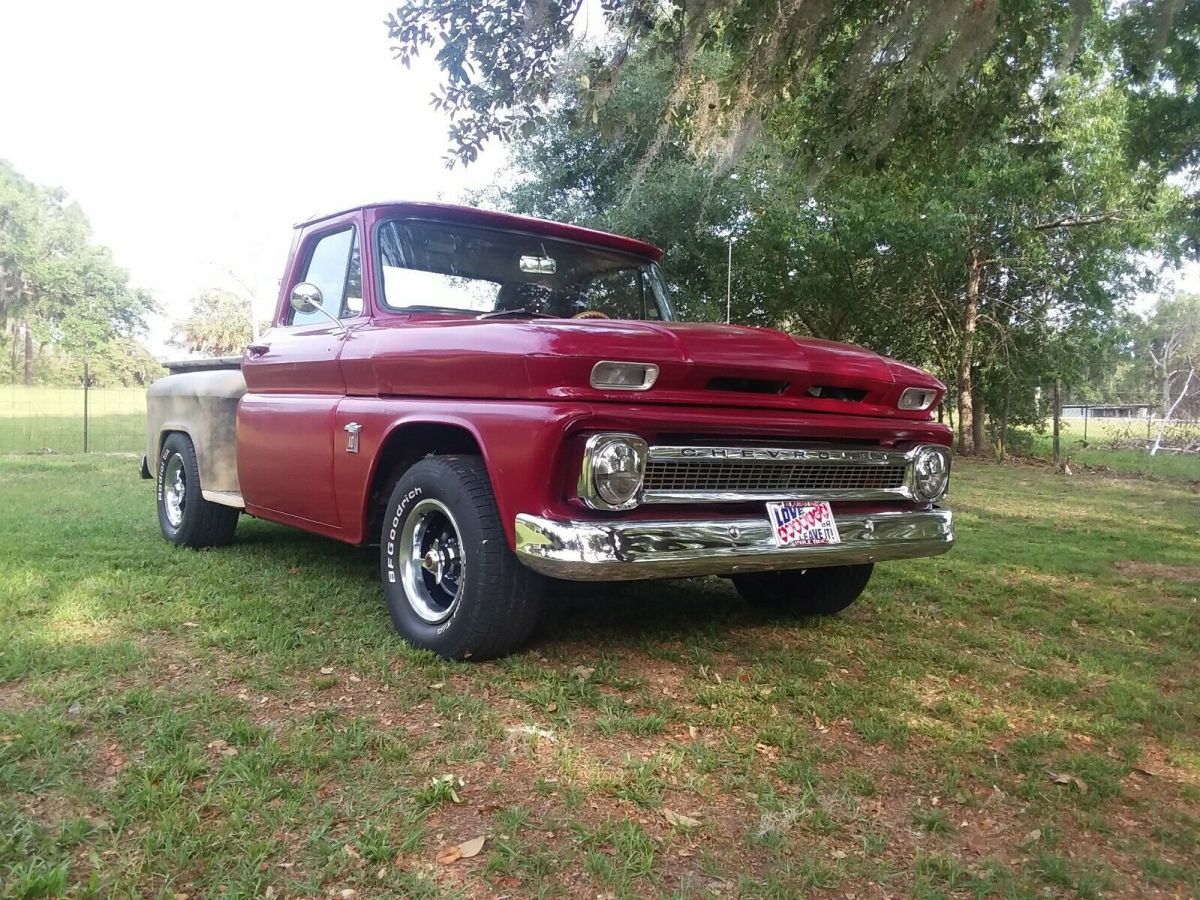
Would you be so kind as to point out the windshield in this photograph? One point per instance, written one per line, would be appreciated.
(433, 266)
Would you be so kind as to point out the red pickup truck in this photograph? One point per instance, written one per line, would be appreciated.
(500, 401)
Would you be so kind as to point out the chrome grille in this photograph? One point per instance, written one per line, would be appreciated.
(700, 474)
(770, 477)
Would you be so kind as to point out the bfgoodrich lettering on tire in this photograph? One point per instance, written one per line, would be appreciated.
(184, 516)
(452, 584)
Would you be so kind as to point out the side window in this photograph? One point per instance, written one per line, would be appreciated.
(335, 267)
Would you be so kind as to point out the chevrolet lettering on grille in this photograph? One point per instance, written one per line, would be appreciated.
(770, 453)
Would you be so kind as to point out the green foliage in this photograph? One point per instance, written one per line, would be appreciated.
(218, 326)
(967, 186)
(867, 70)
(62, 298)
(1045, 201)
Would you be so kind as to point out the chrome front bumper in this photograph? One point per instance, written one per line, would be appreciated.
(632, 550)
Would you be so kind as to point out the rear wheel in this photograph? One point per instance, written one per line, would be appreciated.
(184, 516)
(805, 592)
(452, 584)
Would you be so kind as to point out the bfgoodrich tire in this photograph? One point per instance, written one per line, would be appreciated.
(452, 584)
(184, 516)
(805, 592)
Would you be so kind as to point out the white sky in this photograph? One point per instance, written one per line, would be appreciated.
(195, 135)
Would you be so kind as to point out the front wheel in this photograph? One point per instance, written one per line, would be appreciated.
(806, 592)
(184, 516)
(452, 584)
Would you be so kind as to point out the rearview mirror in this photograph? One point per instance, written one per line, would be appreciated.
(306, 298)
(538, 265)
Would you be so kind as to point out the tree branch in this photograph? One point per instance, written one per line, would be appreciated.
(1077, 221)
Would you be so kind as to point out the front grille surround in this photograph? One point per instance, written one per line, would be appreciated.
(697, 474)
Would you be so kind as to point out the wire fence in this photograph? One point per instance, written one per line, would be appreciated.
(113, 420)
(72, 419)
(1134, 432)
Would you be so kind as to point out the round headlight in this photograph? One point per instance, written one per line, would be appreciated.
(931, 472)
(613, 470)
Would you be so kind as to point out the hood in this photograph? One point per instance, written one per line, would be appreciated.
(722, 365)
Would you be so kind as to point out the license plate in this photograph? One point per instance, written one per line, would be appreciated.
(802, 524)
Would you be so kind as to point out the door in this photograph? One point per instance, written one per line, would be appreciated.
(294, 384)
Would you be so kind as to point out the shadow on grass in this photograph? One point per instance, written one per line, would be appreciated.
(612, 612)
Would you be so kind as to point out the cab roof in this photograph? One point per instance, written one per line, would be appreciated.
(469, 215)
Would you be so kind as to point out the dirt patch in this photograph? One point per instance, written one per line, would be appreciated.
(14, 699)
(1161, 571)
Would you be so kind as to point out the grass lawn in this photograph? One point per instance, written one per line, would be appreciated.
(1018, 718)
(50, 419)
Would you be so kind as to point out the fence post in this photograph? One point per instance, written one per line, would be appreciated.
(1055, 445)
(1086, 408)
(86, 384)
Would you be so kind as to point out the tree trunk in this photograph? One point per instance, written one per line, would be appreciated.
(967, 429)
(1055, 444)
(28, 355)
(1002, 433)
(978, 432)
(1166, 419)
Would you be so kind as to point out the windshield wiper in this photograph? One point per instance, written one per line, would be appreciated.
(507, 313)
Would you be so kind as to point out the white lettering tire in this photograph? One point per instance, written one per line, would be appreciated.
(451, 581)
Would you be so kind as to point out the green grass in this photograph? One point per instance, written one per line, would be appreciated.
(1018, 718)
(1108, 445)
(50, 419)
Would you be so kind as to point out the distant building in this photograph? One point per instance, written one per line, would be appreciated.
(1106, 411)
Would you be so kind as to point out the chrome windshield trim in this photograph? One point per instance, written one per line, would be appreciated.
(635, 550)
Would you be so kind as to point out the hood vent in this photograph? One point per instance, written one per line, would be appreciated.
(827, 392)
(747, 385)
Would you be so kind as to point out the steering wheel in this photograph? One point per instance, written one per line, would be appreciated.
(590, 314)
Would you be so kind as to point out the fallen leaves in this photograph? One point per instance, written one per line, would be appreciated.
(531, 731)
(679, 820)
(450, 783)
(1067, 778)
(583, 673)
(222, 748)
(465, 850)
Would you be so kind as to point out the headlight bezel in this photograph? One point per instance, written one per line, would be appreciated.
(597, 453)
(916, 484)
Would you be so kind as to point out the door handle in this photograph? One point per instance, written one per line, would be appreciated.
(258, 349)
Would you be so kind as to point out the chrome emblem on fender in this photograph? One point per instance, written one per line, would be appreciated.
(352, 431)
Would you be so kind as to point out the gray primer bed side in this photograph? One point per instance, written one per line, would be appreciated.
(203, 405)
